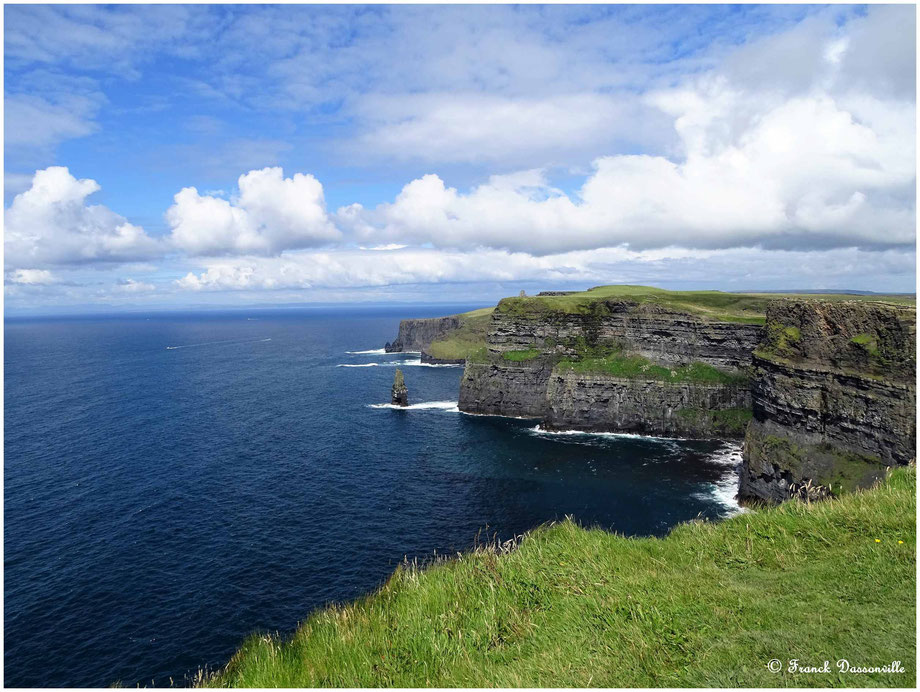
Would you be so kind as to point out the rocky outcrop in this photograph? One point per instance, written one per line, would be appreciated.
(399, 394)
(659, 333)
(537, 384)
(597, 402)
(501, 388)
(417, 334)
(833, 396)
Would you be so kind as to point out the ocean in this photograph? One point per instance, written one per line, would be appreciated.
(176, 482)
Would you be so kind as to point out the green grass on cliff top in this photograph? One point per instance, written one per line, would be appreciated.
(708, 606)
(715, 305)
(467, 339)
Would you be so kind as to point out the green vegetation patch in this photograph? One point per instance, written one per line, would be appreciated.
(519, 356)
(467, 339)
(632, 366)
(708, 606)
(713, 305)
(730, 422)
(868, 342)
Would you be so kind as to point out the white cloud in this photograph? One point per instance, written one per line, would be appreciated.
(270, 214)
(132, 286)
(50, 223)
(31, 277)
(741, 268)
(813, 165)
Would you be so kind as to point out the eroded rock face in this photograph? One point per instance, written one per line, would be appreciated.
(565, 399)
(833, 397)
(656, 332)
(505, 389)
(399, 394)
(593, 402)
(417, 334)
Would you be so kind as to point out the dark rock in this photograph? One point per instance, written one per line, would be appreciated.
(417, 334)
(833, 397)
(399, 394)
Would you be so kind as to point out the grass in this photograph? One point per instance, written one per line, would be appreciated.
(520, 356)
(470, 337)
(707, 606)
(634, 366)
(714, 305)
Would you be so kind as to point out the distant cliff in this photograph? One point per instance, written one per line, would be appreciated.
(417, 334)
(834, 397)
(443, 339)
(598, 361)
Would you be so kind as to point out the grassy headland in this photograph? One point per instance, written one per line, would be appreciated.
(715, 305)
(710, 605)
(469, 337)
(634, 366)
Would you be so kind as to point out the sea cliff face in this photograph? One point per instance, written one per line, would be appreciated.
(833, 397)
(659, 333)
(417, 334)
(545, 386)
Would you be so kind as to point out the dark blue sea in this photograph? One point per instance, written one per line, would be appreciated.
(175, 482)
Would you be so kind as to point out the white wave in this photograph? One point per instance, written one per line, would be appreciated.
(538, 430)
(400, 364)
(213, 343)
(373, 351)
(450, 406)
(725, 490)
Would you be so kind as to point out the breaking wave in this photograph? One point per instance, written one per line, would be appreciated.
(538, 430)
(373, 351)
(422, 406)
(400, 364)
(725, 490)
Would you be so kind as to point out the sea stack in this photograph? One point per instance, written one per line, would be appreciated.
(400, 395)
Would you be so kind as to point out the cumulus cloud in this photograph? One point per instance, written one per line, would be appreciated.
(806, 158)
(31, 277)
(51, 223)
(743, 268)
(132, 286)
(270, 214)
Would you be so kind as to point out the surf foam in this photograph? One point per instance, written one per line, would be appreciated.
(450, 406)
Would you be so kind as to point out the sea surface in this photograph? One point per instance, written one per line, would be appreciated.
(175, 482)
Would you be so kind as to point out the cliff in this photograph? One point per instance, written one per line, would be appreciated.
(833, 395)
(417, 334)
(443, 339)
(654, 362)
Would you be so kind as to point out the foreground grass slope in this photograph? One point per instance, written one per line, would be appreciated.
(709, 605)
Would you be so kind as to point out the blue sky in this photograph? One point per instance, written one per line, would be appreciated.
(179, 155)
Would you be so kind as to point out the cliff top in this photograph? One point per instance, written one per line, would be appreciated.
(873, 338)
(714, 305)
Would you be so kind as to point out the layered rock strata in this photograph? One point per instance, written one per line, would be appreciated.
(833, 395)
(542, 387)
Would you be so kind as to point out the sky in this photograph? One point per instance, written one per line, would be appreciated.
(170, 156)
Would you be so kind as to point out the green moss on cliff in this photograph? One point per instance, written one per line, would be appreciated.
(730, 422)
(633, 366)
(708, 606)
(520, 356)
(837, 469)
